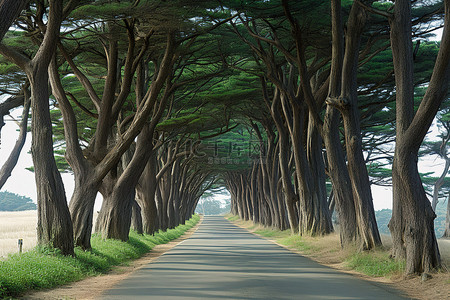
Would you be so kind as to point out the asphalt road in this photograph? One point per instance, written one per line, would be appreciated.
(223, 261)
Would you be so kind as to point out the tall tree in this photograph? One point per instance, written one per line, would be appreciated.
(412, 225)
(54, 224)
(347, 103)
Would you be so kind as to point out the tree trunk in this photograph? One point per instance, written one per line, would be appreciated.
(9, 11)
(54, 223)
(412, 226)
(347, 103)
(136, 218)
(81, 208)
(447, 219)
(114, 220)
(11, 162)
(340, 178)
(322, 217)
(337, 169)
(146, 192)
(438, 184)
(412, 223)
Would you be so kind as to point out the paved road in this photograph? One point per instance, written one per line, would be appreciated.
(223, 261)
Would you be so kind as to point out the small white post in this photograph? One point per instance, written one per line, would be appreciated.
(20, 244)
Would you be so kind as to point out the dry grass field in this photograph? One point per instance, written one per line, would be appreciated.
(18, 225)
(14, 226)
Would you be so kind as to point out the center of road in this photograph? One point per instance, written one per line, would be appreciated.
(223, 261)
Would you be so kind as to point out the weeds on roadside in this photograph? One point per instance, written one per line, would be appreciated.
(375, 263)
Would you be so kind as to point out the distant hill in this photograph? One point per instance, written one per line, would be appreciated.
(384, 216)
(13, 202)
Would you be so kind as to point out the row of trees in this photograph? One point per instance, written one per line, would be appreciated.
(154, 103)
(13, 202)
(112, 81)
(310, 86)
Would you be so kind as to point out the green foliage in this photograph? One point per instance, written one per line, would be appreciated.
(46, 268)
(13, 202)
(375, 263)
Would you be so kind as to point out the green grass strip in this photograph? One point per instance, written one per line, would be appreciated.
(43, 268)
(375, 263)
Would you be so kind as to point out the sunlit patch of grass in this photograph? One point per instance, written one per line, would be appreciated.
(232, 218)
(273, 233)
(45, 267)
(375, 263)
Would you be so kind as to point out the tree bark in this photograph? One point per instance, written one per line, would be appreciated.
(145, 194)
(9, 11)
(136, 218)
(340, 178)
(11, 162)
(438, 184)
(447, 220)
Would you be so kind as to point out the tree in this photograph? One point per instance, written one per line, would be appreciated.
(54, 224)
(347, 103)
(412, 225)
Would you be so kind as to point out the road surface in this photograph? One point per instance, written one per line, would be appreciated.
(223, 261)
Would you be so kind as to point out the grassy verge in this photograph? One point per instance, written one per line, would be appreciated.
(327, 250)
(46, 268)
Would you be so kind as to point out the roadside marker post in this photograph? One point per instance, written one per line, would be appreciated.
(20, 244)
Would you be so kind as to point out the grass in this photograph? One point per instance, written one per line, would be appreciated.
(375, 263)
(327, 250)
(43, 268)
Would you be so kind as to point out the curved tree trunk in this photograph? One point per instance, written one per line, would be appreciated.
(322, 217)
(412, 223)
(81, 208)
(54, 223)
(337, 168)
(347, 103)
(438, 184)
(114, 220)
(11, 162)
(145, 194)
(340, 178)
(9, 11)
